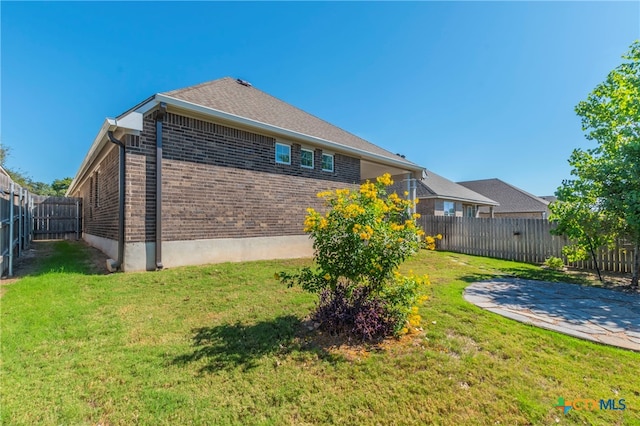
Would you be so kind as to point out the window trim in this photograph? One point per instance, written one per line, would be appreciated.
(313, 162)
(276, 153)
(333, 164)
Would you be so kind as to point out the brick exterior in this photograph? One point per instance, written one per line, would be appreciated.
(221, 182)
(99, 192)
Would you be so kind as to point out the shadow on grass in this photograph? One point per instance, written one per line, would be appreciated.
(542, 274)
(530, 273)
(73, 257)
(238, 345)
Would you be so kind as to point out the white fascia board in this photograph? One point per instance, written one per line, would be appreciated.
(130, 123)
(286, 133)
(464, 200)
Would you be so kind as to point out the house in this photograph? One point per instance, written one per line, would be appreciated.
(438, 196)
(238, 169)
(514, 202)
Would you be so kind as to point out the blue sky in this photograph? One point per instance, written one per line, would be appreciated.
(470, 90)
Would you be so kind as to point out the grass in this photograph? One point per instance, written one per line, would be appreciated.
(226, 344)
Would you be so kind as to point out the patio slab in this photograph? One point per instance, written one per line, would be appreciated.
(599, 315)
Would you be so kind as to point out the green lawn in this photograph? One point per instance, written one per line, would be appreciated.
(225, 344)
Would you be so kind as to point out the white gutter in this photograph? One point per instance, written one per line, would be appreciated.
(285, 132)
(130, 123)
(464, 200)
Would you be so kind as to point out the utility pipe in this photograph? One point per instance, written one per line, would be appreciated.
(159, 116)
(118, 264)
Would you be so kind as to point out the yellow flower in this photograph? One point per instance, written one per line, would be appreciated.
(385, 179)
(396, 227)
(406, 193)
(327, 276)
(439, 236)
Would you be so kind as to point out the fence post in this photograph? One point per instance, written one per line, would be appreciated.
(77, 220)
(20, 221)
(11, 240)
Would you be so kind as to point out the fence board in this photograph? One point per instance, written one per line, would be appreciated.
(56, 218)
(525, 240)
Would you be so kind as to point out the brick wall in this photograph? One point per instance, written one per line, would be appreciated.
(99, 193)
(220, 182)
(426, 206)
(202, 142)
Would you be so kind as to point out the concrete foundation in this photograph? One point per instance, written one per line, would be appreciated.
(141, 256)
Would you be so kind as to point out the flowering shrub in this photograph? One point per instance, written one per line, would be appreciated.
(359, 243)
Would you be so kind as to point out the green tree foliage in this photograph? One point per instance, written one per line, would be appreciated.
(605, 195)
(57, 188)
(60, 186)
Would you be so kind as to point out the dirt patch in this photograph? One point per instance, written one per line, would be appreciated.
(32, 259)
(617, 281)
(354, 350)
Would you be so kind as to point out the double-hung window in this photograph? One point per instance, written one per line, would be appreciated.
(306, 158)
(283, 153)
(327, 162)
(449, 208)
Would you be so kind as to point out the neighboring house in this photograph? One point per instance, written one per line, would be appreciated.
(239, 168)
(514, 202)
(439, 196)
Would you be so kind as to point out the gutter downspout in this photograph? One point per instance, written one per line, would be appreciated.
(159, 116)
(117, 265)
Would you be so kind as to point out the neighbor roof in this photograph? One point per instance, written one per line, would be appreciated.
(511, 198)
(436, 186)
(230, 96)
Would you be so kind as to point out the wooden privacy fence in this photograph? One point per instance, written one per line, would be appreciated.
(56, 218)
(16, 222)
(523, 240)
(25, 217)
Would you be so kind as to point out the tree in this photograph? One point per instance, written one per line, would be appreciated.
(60, 186)
(608, 176)
(587, 227)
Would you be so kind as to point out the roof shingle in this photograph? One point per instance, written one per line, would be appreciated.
(227, 95)
(511, 198)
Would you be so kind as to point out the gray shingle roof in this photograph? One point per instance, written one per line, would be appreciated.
(511, 198)
(436, 186)
(227, 95)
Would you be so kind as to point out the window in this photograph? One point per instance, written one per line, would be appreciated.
(471, 211)
(449, 208)
(96, 192)
(91, 197)
(283, 153)
(306, 158)
(327, 162)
